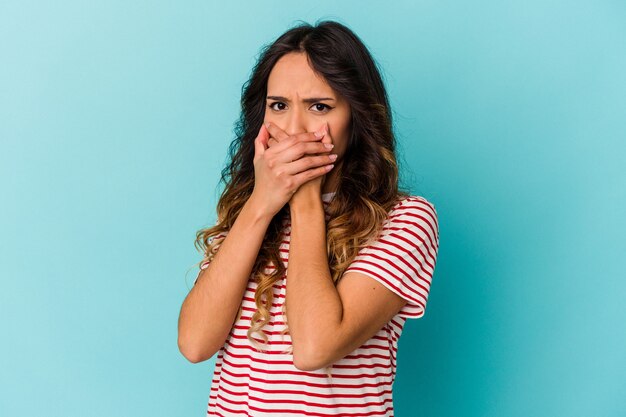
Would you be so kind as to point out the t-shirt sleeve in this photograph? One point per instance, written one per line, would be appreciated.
(404, 255)
(205, 263)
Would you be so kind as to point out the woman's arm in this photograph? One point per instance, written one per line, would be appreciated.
(312, 301)
(208, 312)
(327, 323)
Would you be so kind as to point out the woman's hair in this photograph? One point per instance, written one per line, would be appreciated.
(368, 179)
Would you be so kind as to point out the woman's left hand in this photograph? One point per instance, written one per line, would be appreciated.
(312, 188)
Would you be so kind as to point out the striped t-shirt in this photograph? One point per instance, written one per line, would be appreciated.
(248, 382)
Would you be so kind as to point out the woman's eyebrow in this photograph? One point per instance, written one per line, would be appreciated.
(304, 100)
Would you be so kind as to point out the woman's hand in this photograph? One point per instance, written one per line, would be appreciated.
(313, 187)
(279, 171)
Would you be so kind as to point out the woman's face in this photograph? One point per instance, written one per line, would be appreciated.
(298, 100)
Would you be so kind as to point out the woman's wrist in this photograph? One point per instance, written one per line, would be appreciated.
(306, 201)
(258, 208)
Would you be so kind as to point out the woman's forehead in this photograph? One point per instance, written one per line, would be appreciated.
(292, 77)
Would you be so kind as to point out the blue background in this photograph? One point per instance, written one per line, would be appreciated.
(114, 122)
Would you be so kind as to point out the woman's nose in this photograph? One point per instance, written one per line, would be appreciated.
(296, 123)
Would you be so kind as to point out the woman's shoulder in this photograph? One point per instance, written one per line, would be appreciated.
(416, 208)
(415, 202)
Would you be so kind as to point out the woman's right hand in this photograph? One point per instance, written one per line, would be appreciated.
(280, 170)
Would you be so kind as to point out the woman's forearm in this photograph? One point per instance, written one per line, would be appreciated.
(314, 307)
(209, 310)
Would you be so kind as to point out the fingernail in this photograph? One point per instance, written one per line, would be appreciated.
(329, 145)
(322, 131)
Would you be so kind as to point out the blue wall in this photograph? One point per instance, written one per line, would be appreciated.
(114, 122)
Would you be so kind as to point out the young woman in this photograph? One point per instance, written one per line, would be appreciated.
(321, 257)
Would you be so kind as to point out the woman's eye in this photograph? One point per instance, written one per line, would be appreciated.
(271, 106)
(322, 107)
(319, 107)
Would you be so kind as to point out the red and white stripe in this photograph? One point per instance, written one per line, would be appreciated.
(247, 382)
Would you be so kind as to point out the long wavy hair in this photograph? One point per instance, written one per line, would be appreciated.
(368, 179)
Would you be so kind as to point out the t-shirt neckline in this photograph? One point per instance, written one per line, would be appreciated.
(328, 196)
